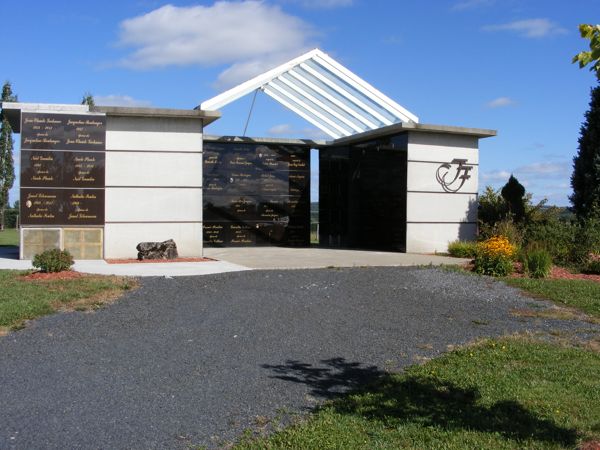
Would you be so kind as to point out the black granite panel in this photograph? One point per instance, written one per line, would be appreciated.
(256, 194)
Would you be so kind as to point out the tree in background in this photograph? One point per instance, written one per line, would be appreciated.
(88, 99)
(7, 168)
(591, 32)
(585, 179)
(513, 193)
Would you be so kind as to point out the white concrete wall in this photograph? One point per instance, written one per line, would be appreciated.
(153, 184)
(120, 237)
(436, 217)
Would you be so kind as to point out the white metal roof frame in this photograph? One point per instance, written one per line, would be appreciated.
(323, 92)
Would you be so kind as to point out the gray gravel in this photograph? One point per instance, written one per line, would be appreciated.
(196, 360)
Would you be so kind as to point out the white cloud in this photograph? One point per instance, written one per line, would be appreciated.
(244, 70)
(324, 4)
(545, 169)
(500, 102)
(495, 176)
(249, 35)
(119, 100)
(287, 130)
(530, 28)
(470, 4)
(542, 179)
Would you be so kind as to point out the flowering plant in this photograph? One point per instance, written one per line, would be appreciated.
(495, 256)
(497, 246)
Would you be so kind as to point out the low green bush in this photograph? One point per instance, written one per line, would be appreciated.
(537, 263)
(462, 249)
(586, 242)
(495, 266)
(507, 227)
(557, 235)
(54, 260)
(593, 267)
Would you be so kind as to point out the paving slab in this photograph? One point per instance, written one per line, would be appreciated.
(9, 261)
(237, 259)
(315, 258)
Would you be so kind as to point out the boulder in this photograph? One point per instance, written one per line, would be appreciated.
(157, 250)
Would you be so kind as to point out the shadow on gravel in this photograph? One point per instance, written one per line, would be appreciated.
(336, 377)
(403, 399)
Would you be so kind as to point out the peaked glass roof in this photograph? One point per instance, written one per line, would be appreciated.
(323, 92)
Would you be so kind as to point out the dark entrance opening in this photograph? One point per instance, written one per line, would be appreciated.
(362, 195)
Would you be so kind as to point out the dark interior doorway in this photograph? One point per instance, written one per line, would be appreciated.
(362, 196)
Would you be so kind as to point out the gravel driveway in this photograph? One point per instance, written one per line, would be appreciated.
(196, 360)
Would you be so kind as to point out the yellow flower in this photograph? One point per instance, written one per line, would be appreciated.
(497, 246)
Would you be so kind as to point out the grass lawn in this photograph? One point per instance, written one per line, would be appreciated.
(22, 300)
(10, 237)
(500, 394)
(581, 294)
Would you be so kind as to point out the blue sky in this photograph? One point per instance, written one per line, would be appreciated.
(500, 64)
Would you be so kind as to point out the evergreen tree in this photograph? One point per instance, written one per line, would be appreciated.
(585, 179)
(88, 99)
(513, 193)
(7, 168)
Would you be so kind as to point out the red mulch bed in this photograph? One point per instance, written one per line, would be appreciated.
(557, 273)
(156, 261)
(65, 275)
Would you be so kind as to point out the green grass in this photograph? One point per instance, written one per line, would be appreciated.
(9, 237)
(503, 394)
(22, 299)
(581, 294)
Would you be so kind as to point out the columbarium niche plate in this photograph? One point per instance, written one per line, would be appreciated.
(63, 131)
(83, 243)
(38, 240)
(62, 169)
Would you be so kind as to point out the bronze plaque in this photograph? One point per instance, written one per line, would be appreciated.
(45, 131)
(83, 206)
(41, 206)
(41, 168)
(83, 169)
(62, 169)
(62, 206)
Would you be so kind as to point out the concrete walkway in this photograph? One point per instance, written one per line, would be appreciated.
(9, 260)
(238, 259)
(315, 258)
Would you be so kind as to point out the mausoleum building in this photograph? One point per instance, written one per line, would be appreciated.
(97, 181)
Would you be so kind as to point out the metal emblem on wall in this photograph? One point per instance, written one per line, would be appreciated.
(452, 176)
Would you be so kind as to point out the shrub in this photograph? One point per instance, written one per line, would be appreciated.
(557, 235)
(495, 256)
(506, 228)
(492, 207)
(54, 260)
(462, 249)
(586, 241)
(537, 263)
(593, 265)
